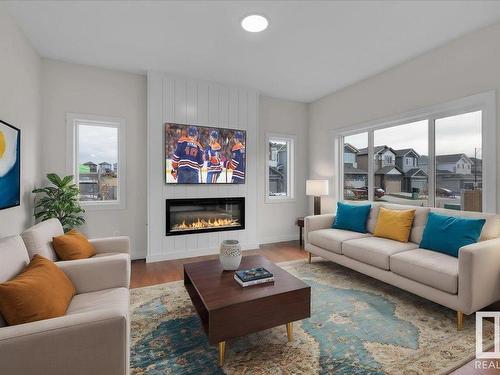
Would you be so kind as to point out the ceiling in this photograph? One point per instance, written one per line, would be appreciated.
(310, 49)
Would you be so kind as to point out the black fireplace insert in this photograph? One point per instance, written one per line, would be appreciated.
(201, 215)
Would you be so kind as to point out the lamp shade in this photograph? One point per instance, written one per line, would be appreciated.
(317, 187)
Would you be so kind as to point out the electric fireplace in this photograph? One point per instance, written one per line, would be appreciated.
(201, 215)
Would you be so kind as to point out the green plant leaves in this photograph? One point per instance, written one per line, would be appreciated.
(59, 201)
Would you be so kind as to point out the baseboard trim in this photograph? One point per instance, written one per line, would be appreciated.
(280, 238)
(194, 253)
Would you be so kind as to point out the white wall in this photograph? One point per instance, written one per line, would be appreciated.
(466, 66)
(20, 106)
(188, 101)
(89, 90)
(277, 220)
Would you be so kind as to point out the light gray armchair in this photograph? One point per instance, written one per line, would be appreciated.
(91, 338)
(112, 253)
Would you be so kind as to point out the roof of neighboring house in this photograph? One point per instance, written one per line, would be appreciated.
(376, 150)
(104, 163)
(423, 160)
(350, 148)
(477, 161)
(451, 158)
(387, 169)
(414, 171)
(275, 172)
(90, 163)
(406, 151)
(456, 176)
(349, 169)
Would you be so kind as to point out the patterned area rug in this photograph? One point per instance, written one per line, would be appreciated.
(357, 326)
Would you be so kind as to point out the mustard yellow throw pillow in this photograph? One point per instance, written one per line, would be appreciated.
(40, 291)
(394, 224)
(72, 245)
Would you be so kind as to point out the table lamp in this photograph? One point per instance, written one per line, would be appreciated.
(317, 188)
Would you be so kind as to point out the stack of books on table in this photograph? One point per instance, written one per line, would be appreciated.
(253, 276)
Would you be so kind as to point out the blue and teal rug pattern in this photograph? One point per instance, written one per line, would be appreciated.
(358, 326)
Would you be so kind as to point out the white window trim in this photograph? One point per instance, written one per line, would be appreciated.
(485, 102)
(291, 169)
(72, 119)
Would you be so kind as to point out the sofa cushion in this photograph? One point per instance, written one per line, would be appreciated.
(491, 228)
(13, 257)
(447, 234)
(373, 215)
(394, 224)
(375, 251)
(428, 267)
(102, 299)
(331, 239)
(351, 217)
(38, 238)
(419, 220)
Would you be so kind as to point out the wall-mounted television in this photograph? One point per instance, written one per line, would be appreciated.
(204, 155)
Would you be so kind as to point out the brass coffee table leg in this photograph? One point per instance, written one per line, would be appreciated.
(289, 331)
(222, 352)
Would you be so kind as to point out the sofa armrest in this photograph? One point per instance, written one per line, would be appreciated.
(111, 245)
(86, 343)
(312, 223)
(479, 275)
(93, 274)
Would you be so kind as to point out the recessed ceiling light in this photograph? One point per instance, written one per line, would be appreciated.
(254, 23)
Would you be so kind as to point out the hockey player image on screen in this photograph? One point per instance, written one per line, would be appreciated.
(213, 158)
(187, 160)
(237, 162)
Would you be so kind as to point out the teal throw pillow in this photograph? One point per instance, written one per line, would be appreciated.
(447, 234)
(351, 217)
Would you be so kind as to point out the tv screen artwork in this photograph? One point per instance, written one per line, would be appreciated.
(204, 155)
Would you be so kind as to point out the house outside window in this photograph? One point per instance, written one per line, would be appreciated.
(280, 168)
(97, 148)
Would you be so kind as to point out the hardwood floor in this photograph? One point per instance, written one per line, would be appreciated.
(145, 274)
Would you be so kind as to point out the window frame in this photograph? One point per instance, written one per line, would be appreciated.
(73, 120)
(485, 102)
(290, 139)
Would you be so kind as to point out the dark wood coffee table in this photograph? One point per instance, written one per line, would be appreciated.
(228, 310)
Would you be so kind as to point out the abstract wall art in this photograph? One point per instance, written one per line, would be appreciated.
(10, 165)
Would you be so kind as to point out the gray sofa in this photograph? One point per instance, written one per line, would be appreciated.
(465, 284)
(93, 336)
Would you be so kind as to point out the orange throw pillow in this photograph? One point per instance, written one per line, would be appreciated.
(72, 245)
(40, 291)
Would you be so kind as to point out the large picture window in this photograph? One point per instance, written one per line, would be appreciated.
(438, 158)
(97, 162)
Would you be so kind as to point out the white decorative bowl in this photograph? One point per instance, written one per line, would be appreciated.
(230, 255)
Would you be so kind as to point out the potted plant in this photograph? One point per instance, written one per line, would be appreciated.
(60, 201)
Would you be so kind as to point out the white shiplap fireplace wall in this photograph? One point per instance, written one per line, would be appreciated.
(188, 101)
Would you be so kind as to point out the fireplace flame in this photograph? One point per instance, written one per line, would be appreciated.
(202, 224)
